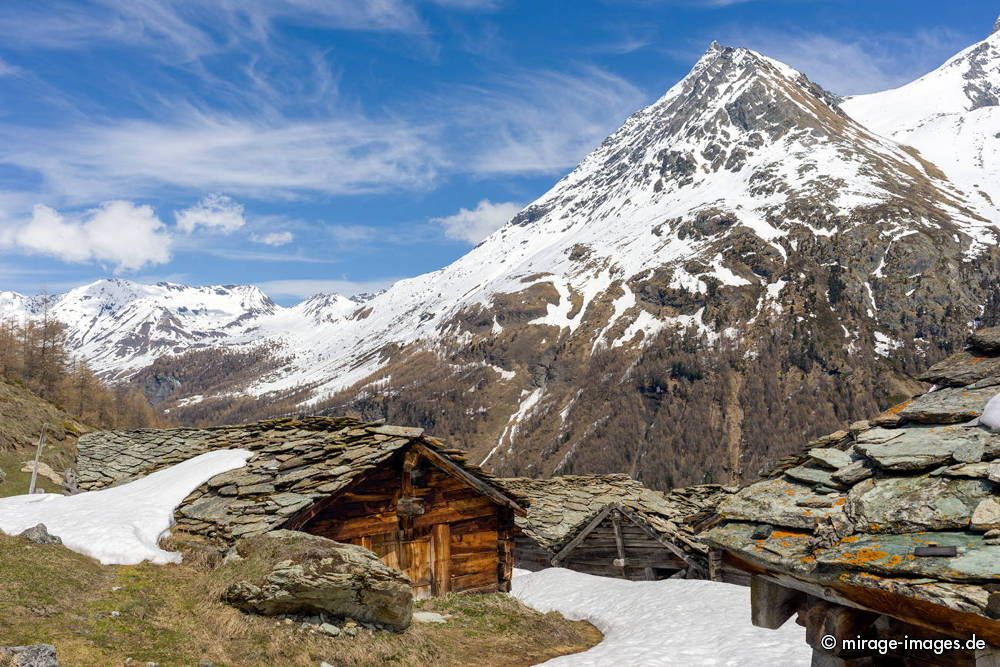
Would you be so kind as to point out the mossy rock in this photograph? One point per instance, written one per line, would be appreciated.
(290, 572)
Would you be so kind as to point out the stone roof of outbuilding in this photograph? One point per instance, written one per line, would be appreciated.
(855, 506)
(559, 507)
(296, 462)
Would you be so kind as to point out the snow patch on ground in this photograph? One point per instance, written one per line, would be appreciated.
(669, 623)
(121, 525)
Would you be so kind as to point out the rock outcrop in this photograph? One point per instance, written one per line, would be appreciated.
(288, 572)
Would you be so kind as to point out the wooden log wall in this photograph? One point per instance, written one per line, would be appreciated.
(444, 534)
(600, 552)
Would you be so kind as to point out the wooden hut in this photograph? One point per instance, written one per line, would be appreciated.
(889, 530)
(420, 506)
(611, 525)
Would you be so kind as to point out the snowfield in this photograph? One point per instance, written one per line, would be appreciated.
(669, 623)
(121, 525)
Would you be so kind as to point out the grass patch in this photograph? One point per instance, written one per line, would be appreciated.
(96, 615)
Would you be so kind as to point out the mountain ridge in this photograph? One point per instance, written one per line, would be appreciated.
(740, 241)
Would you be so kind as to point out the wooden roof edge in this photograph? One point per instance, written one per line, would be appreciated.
(482, 484)
(585, 528)
(915, 611)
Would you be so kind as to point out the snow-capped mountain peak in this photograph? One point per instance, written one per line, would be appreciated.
(952, 116)
(746, 205)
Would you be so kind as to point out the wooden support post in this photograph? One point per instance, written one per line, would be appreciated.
(505, 549)
(616, 522)
(405, 518)
(714, 564)
(440, 559)
(770, 604)
(38, 456)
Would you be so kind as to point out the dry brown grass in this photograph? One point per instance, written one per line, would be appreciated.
(171, 615)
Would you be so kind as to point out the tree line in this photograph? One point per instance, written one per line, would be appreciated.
(35, 354)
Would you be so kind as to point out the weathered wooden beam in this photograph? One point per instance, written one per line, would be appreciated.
(616, 523)
(770, 604)
(451, 467)
(714, 564)
(440, 559)
(917, 612)
(641, 523)
(581, 535)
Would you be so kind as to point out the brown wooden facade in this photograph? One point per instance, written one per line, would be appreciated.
(418, 511)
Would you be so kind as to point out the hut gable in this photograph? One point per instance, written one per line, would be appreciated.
(898, 517)
(415, 502)
(611, 525)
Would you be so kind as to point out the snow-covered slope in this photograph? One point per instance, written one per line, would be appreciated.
(669, 623)
(952, 116)
(123, 524)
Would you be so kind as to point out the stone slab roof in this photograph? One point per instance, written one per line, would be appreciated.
(560, 506)
(863, 504)
(296, 462)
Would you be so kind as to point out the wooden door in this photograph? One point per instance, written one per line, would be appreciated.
(412, 557)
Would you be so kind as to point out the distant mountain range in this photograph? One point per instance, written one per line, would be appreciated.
(749, 261)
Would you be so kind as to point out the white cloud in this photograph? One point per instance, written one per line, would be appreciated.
(215, 211)
(274, 238)
(189, 29)
(539, 122)
(476, 224)
(117, 232)
(347, 154)
(6, 69)
(304, 288)
(853, 64)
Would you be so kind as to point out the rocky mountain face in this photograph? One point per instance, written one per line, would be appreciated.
(741, 266)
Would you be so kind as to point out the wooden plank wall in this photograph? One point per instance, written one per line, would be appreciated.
(458, 539)
(645, 558)
(529, 555)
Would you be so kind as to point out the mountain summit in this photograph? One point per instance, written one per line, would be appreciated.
(745, 262)
(952, 116)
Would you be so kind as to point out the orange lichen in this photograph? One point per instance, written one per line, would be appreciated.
(896, 409)
(788, 534)
(851, 538)
(840, 501)
(863, 556)
(807, 560)
(894, 561)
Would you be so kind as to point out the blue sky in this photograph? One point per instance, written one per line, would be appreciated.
(327, 145)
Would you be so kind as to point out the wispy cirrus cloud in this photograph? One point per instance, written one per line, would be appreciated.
(851, 63)
(273, 238)
(301, 288)
(348, 154)
(179, 30)
(519, 126)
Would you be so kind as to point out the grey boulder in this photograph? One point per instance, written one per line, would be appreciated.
(35, 655)
(40, 535)
(307, 574)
